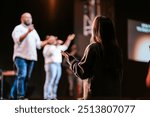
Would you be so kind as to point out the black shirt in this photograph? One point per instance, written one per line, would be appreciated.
(103, 65)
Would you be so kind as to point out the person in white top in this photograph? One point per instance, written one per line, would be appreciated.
(53, 59)
(26, 41)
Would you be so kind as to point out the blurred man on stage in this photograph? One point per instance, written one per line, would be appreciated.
(26, 41)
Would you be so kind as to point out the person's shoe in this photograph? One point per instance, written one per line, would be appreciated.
(21, 98)
(81, 98)
(54, 99)
(12, 98)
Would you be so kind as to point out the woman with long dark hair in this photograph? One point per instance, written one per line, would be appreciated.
(101, 62)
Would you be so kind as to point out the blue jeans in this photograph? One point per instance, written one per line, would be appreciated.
(24, 71)
(53, 75)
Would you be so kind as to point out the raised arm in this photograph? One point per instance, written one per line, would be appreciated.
(69, 39)
(22, 37)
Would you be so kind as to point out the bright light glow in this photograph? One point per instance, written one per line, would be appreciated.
(141, 49)
(138, 41)
(52, 8)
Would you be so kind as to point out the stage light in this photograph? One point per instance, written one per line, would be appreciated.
(53, 8)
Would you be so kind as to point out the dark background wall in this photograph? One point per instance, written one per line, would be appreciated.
(58, 18)
(134, 72)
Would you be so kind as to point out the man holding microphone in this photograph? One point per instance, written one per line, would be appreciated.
(26, 42)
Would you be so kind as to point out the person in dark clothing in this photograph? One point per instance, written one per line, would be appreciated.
(101, 62)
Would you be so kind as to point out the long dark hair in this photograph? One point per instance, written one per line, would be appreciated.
(103, 31)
